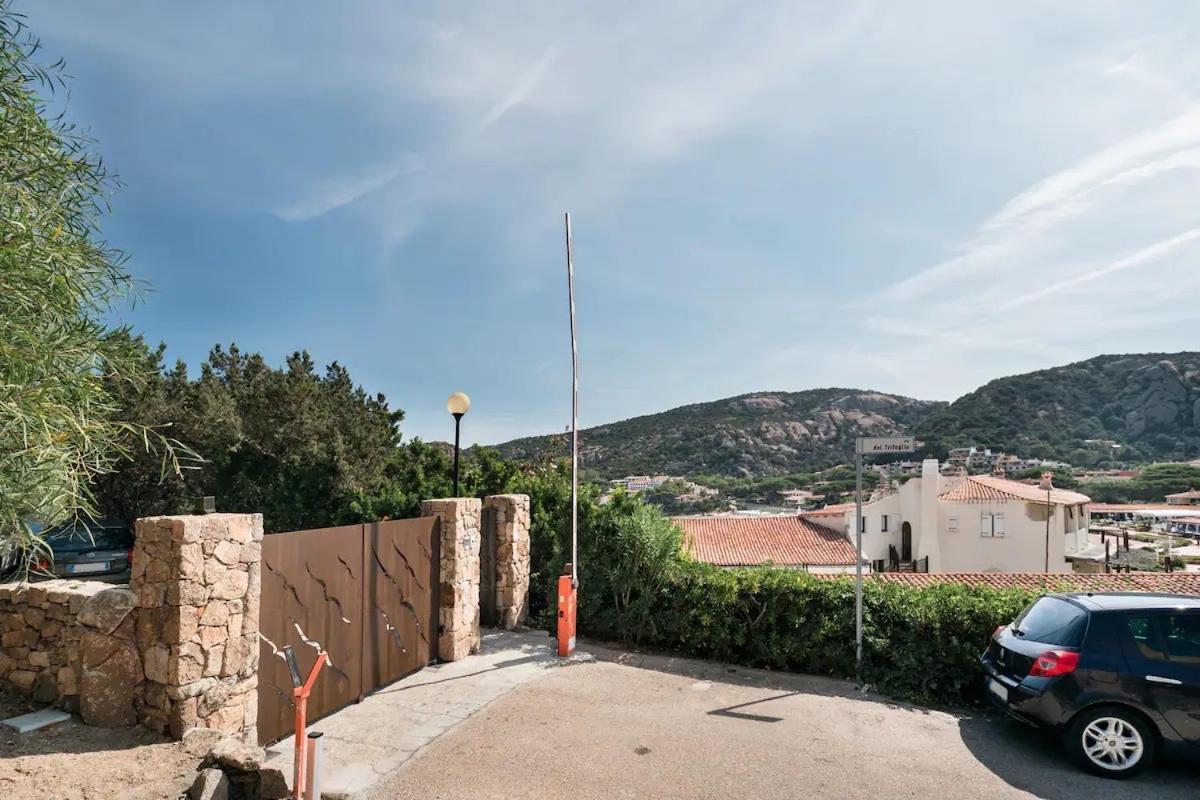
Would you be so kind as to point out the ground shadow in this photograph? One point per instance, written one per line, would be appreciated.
(792, 683)
(733, 712)
(492, 640)
(416, 682)
(1021, 756)
(1035, 762)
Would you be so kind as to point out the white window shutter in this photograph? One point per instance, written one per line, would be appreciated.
(997, 524)
(985, 524)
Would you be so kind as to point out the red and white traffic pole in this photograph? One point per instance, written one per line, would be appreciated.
(568, 583)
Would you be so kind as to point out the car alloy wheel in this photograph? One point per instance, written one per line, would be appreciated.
(1113, 744)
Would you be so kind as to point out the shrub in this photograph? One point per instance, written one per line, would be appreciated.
(919, 644)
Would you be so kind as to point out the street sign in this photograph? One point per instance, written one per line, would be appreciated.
(893, 444)
(867, 446)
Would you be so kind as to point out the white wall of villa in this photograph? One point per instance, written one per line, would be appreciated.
(987, 532)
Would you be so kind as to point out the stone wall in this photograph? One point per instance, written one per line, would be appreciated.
(197, 580)
(511, 520)
(70, 643)
(178, 648)
(458, 615)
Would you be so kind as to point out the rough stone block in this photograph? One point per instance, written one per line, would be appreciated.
(228, 553)
(213, 660)
(157, 663)
(98, 648)
(182, 625)
(106, 610)
(107, 691)
(182, 716)
(231, 586)
(22, 679)
(210, 784)
(68, 680)
(215, 613)
(187, 593)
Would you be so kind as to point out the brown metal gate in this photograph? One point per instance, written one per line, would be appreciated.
(366, 593)
(488, 617)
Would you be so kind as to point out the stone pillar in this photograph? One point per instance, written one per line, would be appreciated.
(197, 582)
(458, 616)
(511, 518)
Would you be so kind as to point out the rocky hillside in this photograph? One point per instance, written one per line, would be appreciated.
(1148, 404)
(754, 435)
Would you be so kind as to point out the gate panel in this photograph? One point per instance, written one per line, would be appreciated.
(488, 617)
(399, 609)
(312, 591)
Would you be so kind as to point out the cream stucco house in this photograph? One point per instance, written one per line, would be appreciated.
(976, 523)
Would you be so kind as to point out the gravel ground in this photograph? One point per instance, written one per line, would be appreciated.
(672, 728)
(71, 761)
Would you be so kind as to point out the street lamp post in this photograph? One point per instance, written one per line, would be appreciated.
(457, 405)
(1048, 485)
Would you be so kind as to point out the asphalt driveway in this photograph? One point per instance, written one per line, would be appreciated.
(650, 727)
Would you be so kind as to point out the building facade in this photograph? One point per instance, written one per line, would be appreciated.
(977, 523)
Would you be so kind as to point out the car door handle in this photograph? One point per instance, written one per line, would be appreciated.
(1160, 679)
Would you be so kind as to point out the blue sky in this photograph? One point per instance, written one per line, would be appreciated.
(913, 197)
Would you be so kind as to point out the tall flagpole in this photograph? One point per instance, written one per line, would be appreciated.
(574, 414)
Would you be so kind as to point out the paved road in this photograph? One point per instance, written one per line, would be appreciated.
(670, 728)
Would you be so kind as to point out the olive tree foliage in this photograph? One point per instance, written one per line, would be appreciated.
(58, 277)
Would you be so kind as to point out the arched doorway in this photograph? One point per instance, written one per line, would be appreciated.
(906, 542)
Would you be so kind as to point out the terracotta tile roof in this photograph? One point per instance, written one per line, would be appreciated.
(1190, 494)
(1172, 583)
(1106, 508)
(836, 510)
(984, 488)
(748, 541)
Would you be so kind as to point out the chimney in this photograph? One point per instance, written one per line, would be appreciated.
(1047, 482)
(925, 540)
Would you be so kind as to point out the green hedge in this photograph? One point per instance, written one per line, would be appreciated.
(920, 644)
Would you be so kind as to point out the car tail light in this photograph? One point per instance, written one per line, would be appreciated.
(1054, 662)
(996, 632)
(42, 564)
(129, 555)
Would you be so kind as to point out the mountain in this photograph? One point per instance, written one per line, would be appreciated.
(753, 435)
(1148, 404)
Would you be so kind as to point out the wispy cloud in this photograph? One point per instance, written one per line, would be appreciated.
(1026, 218)
(1146, 256)
(526, 84)
(1005, 189)
(330, 195)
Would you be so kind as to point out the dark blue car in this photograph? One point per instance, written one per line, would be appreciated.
(1116, 674)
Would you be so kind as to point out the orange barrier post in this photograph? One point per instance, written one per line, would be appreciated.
(300, 697)
(566, 613)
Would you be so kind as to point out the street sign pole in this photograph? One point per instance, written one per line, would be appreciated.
(868, 446)
(858, 571)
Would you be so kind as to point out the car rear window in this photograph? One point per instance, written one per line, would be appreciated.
(80, 537)
(1052, 621)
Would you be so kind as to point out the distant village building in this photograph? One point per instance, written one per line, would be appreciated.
(978, 523)
(798, 497)
(1188, 498)
(639, 483)
(792, 541)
